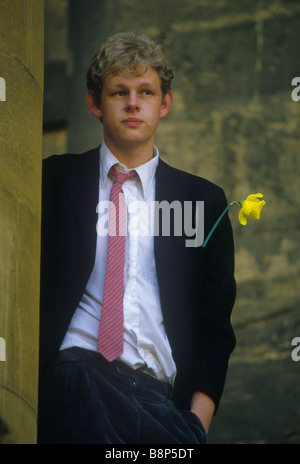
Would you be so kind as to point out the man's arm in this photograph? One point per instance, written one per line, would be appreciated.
(217, 339)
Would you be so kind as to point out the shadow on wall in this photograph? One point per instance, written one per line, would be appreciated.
(3, 430)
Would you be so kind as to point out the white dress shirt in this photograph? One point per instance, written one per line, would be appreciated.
(145, 340)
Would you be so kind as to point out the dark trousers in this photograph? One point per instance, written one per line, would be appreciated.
(88, 400)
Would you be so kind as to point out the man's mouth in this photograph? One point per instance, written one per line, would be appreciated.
(132, 122)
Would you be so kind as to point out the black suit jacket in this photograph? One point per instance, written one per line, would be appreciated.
(197, 286)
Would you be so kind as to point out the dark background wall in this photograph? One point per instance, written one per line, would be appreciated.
(235, 123)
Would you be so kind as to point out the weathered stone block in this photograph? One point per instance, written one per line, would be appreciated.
(27, 301)
(20, 429)
(21, 130)
(14, 29)
(8, 273)
(36, 38)
(21, 55)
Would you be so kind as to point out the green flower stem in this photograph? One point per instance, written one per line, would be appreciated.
(218, 220)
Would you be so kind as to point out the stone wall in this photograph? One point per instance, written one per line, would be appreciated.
(21, 58)
(235, 123)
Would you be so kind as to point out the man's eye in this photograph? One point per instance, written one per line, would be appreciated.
(147, 92)
(119, 93)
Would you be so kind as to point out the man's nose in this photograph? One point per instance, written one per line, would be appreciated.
(132, 102)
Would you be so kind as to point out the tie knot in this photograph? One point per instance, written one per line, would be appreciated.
(120, 177)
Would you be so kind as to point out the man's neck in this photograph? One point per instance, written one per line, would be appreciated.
(132, 157)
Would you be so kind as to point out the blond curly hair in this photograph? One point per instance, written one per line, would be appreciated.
(128, 52)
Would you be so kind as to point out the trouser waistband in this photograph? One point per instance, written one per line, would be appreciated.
(96, 360)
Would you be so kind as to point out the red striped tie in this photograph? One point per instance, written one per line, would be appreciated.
(110, 339)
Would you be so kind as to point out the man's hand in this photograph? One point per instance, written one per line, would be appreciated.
(203, 406)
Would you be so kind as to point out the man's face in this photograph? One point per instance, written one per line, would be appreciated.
(131, 108)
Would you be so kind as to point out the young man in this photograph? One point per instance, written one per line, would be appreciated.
(135, 327)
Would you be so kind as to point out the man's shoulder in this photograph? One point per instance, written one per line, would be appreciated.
(57, 168)
(192, 180)
(71, 158)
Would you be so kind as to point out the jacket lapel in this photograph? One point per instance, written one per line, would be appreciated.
(82, 193)
(170, 187)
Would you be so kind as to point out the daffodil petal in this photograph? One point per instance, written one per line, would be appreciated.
(242, 218)
(254, 197)
(247, 207)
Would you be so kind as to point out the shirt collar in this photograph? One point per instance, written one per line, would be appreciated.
(146, 171)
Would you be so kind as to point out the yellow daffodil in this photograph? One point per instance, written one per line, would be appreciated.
(251, 207)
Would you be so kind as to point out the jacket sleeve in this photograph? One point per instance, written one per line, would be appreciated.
(215, 339)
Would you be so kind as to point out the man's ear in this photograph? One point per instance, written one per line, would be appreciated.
(166, 104)
(92, 105)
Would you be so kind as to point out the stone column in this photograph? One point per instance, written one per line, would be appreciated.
(21, 101)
